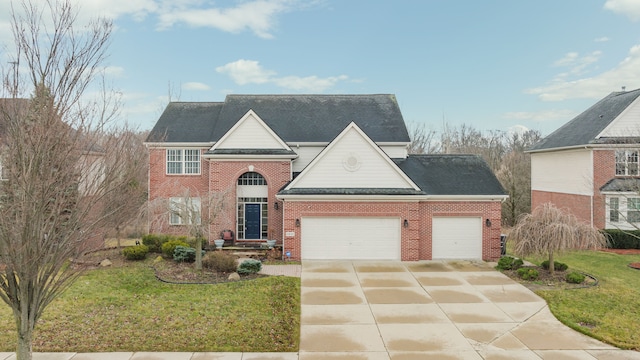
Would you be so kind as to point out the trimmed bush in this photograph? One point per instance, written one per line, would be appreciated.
(575, 278)
(528, 273)
(168, 248)
(509, 263)
(154, 242)
(185, 254)
(250, 266)
(138, 252)
(558, 266)
(219, 261)
(619, 239)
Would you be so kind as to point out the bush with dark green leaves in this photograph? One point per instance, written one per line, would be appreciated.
(558, 266)
(220, 261)
(169, 247)
(509, 263)
(529, 274)
(250, 266)
(155, 241)
(623, 239)
(575, 277)
(185, 254)
(138, 252)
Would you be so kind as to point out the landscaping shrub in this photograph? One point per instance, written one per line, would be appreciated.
(619, 239)
(528, 273)
(138, 252)
(250, 266)
(185, 254)
(154, 242)
(575, 277)
(219, 261)
(168, 248)
(192, 242)
(509, 263)
(558, 266)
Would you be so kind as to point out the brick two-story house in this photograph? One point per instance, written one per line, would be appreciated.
(327, 176)
(590, 166)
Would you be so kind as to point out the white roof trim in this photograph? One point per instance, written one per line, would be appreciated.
(383, 198)
(327, 149)
(178, 145)
(250, 114)
(614, 122)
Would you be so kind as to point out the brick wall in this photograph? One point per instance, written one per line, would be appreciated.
(578, 205)
(416, 241)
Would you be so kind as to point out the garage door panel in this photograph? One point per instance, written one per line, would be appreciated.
(355, 238)
(457, 238)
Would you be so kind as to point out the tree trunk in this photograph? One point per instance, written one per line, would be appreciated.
(24, 350)
(118, 235)
(199, 253)
(552, 267)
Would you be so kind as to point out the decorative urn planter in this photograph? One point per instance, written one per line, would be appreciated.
(271, 244)
(219, 243)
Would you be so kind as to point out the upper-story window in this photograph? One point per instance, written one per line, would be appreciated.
(183, 161)
(627, 162)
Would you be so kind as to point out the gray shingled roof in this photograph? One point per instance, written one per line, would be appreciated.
(451, 174)
(622, 185)
(584, 128)
(295, 118)
(434, 175)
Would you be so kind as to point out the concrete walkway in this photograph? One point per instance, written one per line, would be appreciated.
(404, 311)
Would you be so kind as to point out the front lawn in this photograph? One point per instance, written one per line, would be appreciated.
(609, 311)
(127, 309)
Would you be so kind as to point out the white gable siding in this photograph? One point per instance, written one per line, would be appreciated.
(250, 134)
(568, 172)
(626, 124)
(370, 171)
(306, 153)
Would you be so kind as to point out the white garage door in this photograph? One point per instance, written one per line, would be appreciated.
(350, 238)
(457, 238)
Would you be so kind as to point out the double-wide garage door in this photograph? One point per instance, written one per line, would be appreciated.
(350, 238)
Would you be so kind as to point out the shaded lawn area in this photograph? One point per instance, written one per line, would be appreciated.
(127, 309)
(609, 312)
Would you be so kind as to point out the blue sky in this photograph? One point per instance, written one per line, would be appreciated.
(493, 64)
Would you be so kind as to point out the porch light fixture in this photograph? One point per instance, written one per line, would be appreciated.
(487, 222)
(297, 222)
(406, 223)
(275, 205)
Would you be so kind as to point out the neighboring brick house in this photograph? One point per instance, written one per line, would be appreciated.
(590, 165)
(327, 176)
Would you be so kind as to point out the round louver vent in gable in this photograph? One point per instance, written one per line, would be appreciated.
(351, 162)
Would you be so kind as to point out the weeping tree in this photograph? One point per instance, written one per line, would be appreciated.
(548, 231)
(59, 168)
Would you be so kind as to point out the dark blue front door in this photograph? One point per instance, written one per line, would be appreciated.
(252, 221)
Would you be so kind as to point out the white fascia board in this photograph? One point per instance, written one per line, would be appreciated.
(620, 193)
(179, 145)
(389, 198)
(247, 157)
(573, 147)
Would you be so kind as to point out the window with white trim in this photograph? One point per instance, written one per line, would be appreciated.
(614, 209)
(627, 162)
(183, 161)
(633, 210)
(184, 211)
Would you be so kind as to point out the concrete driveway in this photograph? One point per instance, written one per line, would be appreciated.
(422, 310)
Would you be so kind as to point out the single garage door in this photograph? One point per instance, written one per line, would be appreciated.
(350, 238)
(457, 238)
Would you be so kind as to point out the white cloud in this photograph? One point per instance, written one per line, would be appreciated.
(258, 16)
(251, 72)
(562, 87)
(601, 39)
(246, 72)
(196, 86)
(538, 116)
(115, 71)
(630, 8)
(576, 64)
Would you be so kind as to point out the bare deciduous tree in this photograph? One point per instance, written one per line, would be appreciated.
(548, 231)
(423, 139)
(56, 181)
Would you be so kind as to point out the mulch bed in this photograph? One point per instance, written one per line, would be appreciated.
(622, 251)
(548, 281)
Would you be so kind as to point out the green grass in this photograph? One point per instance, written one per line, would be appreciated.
(609, 311)
(127, 309)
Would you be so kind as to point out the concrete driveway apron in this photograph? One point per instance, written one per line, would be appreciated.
(434, 309)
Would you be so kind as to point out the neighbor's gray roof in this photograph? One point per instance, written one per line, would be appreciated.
(295, 118)
(465, 175)
(622, 185)
(584, 128)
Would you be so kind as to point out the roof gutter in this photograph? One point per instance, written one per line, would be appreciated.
(178, 144)
(387, 198)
